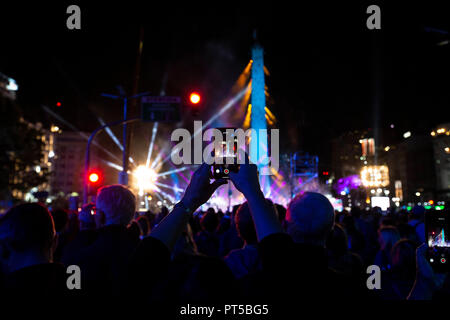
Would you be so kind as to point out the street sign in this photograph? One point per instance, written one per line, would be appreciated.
(160, 109)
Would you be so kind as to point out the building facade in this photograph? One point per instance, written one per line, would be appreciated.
(347, 156)
(67, 172)
(441, 151)
(411, 169)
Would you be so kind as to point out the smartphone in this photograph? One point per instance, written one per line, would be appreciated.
(228, 154)
(437, 230)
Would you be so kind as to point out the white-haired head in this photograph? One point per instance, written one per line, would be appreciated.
(310, 218)
(118, 204)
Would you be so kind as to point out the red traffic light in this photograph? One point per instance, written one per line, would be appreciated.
(194, 98)
(94, 177)
(94, 181)
(58, 104)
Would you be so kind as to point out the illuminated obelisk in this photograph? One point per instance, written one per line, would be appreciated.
(258, 147)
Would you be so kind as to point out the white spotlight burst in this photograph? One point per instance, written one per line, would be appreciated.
(145, 178)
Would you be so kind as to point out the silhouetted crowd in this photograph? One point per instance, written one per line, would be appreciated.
(260, 252)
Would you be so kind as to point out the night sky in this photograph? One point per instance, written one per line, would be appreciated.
(329, 73)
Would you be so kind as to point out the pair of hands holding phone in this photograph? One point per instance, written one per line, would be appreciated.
(200, 188)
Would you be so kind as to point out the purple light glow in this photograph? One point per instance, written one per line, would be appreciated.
(349, 183)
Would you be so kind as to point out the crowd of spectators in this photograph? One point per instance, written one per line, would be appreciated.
(260, 251)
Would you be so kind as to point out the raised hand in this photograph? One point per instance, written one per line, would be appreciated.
(246, 179)
(427, 281)
(200, 189)
(425, 271)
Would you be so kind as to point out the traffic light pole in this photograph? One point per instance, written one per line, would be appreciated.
(88, 153)
(123, 175)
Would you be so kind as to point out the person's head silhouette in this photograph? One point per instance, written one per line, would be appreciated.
(310, 218)
(117, 203)
(27, 237)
